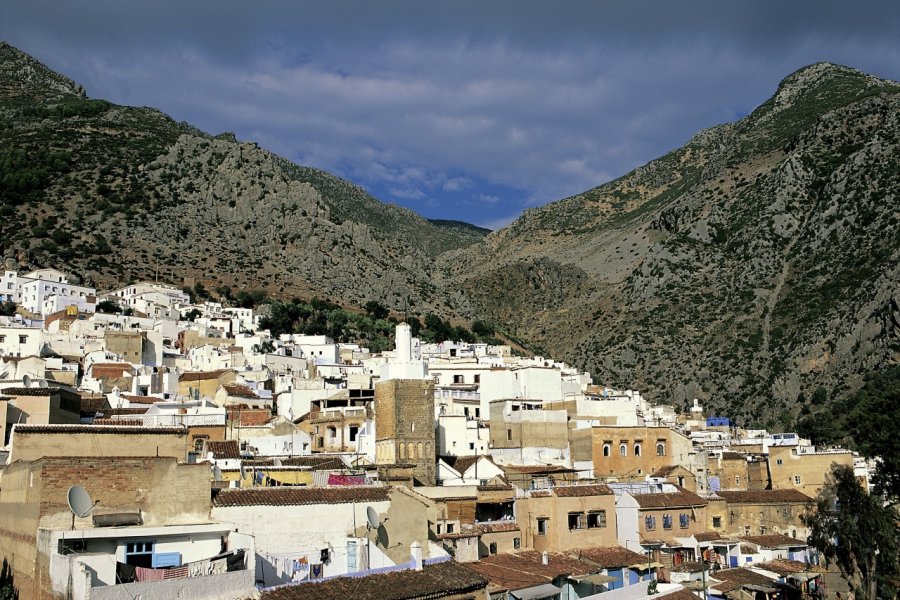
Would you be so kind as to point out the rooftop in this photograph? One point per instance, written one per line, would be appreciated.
(678, 498)
(764, 496)
(296, 496)
(433, 581)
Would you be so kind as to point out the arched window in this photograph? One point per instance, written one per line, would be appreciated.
(637, 449)
(427, 448)
(421, 450)
(623, 450)
(606, 449)
(402, 451)
(660, 449)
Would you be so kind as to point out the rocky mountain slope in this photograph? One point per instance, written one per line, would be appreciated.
(117, 193)
(750, 268)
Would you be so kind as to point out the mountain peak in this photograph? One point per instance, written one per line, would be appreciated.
(23, 75)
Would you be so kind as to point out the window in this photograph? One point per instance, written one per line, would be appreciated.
(457, 379)
(660, 449)
(576, 520)
(517, 543)
(493, 548)
(737, 479)
(2, 338)
(542, 525)
(623, 450)
(796, 480)
(667, 521)
(450, 527)
(606, 449)
(650, 522)
(596, 518)
(477, 378)
(439, 529)
(509, 435)
(684, 520)
(139, 554)
(717, 522)
(354, 431)
(23, 339)
(637, 449)
(778, 461)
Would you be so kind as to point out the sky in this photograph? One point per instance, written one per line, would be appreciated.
(462, 110)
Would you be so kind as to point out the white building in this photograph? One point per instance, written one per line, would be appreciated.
(403, 365)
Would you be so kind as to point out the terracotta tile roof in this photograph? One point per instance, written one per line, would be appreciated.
(239, 390)
(689, 566)
(734, 456)
(110, 370)
(132, 410)
(97, 429)
(538, 469)
(118, 422)
(526, 569)
(664, 471)
(35, 391)
(764, 496)
(225, 449)
(773, 540)
(678, 595)
(91, 404)
(202, 375)
(783, 566)
(577, 491)
(609, 557)
(142, 399)
(300, 495)
(669, 499)
(735, 578)
(448, 578)
(500, 527)
(707, 536)
(249, 416)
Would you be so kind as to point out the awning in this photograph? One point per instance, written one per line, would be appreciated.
(597, 578)
(536, 592)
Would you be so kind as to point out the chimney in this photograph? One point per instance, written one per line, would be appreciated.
(545, 557)
(415, 549)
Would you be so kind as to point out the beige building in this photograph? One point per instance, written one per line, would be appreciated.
(38, 406)
(517, 424)
(759, 512)
(129, 345)
(204, 383)
(404, 411)
(32, 442)
(736, 471)
(803, 468)
(563, 517)
(163, 504)
(633, 453)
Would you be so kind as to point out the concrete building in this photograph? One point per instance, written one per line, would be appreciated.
(405, 433)
(804, 468)
(522, 431)
(19, 340)
(759, 512)
(633, 453)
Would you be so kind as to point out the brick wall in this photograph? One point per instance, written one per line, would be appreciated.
(404, 411)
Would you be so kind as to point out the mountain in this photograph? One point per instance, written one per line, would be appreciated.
(116, 193)
(755, 268)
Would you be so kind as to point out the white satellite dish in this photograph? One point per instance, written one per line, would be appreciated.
(26, 381)
(277, 462)
(80, 502)
(217, 473)
(372, 516)
(42, 383)
(243, 471)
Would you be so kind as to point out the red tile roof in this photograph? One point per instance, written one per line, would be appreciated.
(224, 449)
(239, 390)
(609, 557)
(500, 527)
(202, 375)
(764, 496)
(735, 578)
(110, 370)
(526, 569)
(577, 491)
(538, 469)
(783, 566)
(98, 429)
(448, 578)
(24, 391)
(142, 399)
(669, 499)
(707, 536)
(296, 496)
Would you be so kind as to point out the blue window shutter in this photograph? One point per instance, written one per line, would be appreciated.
(167, 559)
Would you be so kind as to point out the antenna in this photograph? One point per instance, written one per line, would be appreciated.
(80, 502)
(26, 381)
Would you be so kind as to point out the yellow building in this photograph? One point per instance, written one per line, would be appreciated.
(563, 517)
(632, 453)
(803, 468)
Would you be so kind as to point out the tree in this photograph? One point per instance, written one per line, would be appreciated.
(872, 412)
(109, 307)
(857, 532)
(8, 308)
(376, 310)
(7, 590)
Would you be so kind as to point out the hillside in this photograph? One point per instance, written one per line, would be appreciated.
(117, 193)
(750, 268)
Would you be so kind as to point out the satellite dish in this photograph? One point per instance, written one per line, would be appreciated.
(42, 383)
(277, 462)
(381, 537)
(80, 502)
(26, 381)
(217, 473)
(372, 515)
(243, 471)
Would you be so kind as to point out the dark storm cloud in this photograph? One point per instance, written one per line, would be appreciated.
(456, 109)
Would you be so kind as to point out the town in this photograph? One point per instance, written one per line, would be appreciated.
(172, 448)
